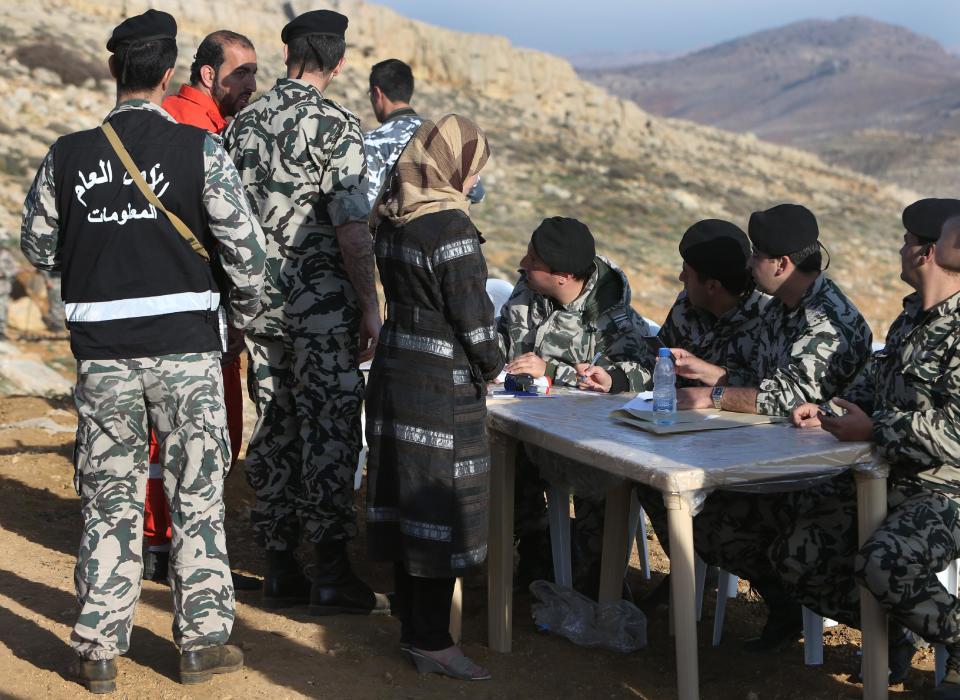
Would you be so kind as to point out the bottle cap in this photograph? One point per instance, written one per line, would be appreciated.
(663, 352)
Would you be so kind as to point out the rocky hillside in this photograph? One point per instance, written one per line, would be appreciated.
(823, 85)
(561, 145)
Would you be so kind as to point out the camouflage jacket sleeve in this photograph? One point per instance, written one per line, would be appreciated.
(377, 153)
(816, 370)
(861, 390)
(40, 226)
(344, 179)
(922, 439)
(625, 354)
(240, 239)
(513, 327)
(916, 419)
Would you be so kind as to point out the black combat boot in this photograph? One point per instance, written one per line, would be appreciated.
(535, 561)
(784, 624)
(201, 665)
(97, 676)
(902, 644)
(285, 584)
(336, 589)
(156, 566)
(949, 688)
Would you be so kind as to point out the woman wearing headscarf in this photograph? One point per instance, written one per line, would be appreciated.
(429, 461)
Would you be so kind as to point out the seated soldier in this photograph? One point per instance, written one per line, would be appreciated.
(811, 343)
(717, 317)
(906, 401)
(570, 307)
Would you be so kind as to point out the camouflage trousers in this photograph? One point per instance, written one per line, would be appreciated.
(536, 470)
(118, 401)
(303, 454)
(819, 560)
(733, 531)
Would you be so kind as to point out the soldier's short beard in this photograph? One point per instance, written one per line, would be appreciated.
(227, 105)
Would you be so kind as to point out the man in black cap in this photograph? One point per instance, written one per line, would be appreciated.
(717, 314)
(811, 344)
(717, 317)
(814, 339)
(300, 157)
(570, 307)
(132, 213)
(906, 402)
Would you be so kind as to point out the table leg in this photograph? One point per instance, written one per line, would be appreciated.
(682, 589)
(615, 542)
(871, 510)
(503, 459)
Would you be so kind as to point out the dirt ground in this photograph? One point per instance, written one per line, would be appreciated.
(294, 655)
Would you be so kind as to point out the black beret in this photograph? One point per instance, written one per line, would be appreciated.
(783, 229)
(566, 245)
(925, 218)
(150, 26)
(714, 248)
(314, 22)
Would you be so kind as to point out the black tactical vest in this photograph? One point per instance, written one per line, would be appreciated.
(132, 286)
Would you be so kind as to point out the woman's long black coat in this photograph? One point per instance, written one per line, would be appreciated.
(429, 460)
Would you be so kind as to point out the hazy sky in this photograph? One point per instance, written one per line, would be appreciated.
(574, 26)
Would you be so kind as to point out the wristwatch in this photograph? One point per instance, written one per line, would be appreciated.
(717, 396)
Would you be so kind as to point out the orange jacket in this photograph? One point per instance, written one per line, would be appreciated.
(196, 108)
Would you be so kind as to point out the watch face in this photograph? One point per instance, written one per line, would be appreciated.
(716, 395)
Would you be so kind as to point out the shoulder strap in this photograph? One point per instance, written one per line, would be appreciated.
(144, 188)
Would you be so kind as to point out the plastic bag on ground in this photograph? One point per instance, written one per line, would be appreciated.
(618, 626)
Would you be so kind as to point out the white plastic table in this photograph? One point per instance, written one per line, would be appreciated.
(683, 467)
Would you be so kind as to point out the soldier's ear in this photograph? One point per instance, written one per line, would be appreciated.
(339, 67)
(167, 77)
(207, 76)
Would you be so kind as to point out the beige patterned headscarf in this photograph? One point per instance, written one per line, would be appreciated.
(430, 173)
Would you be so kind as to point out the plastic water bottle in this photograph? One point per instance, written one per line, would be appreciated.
(664, 389)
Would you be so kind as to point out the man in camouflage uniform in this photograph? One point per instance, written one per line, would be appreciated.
(300, 157)
(907, 402)
(8, 269)
(391, 88)
(811, 344)
(571, 307)
(124, 287)
(717, 317)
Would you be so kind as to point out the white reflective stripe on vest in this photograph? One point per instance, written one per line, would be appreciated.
(142, 306)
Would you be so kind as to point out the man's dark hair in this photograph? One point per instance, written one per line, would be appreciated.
(140, 65)
(315, 52)
(395, 78)
(210, 52)
(735, 281)
(807, 259)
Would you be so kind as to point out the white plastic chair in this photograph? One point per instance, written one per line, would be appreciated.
(499, 292)
(558, 511)
(948, 577)
(813, 625)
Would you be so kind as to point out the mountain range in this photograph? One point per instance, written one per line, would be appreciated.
(861, 93)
